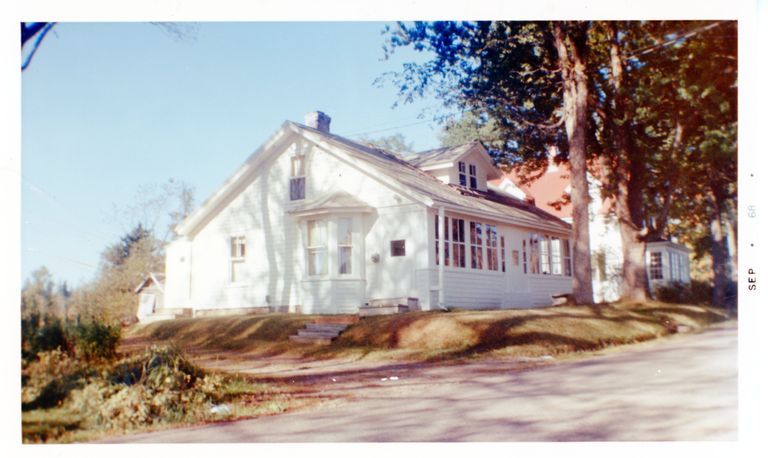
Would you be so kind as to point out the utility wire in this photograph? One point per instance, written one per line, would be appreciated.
(388, 129)
(649, 49)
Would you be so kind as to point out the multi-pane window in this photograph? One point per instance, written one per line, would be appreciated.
(503, 255)
(344, 244)
(567, 257)
(491, 246)
(534, 257)
(525, 259)
(298, 179)
(462, 174)
(656, 266)
(544, 253)
(516, 256)
(457, 241)
(317, 247)
(555, 253)
(397, 248)
(476, 244)
(472, 176)
(437, 241)
(236, 258)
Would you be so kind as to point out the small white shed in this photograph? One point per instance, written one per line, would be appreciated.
(150, 292)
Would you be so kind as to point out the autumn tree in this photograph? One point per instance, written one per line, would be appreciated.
(531, 79)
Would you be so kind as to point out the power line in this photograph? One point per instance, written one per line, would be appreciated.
(649, 49)
(387, 129)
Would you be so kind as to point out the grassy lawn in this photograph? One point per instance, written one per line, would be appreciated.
(436, 335)
(151, 387)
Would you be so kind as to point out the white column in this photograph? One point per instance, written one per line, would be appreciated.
(441, 256)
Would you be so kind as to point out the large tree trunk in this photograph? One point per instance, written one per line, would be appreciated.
(721, 260)
(571, 44)
(634, 286)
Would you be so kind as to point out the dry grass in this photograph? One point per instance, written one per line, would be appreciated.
(436, 335)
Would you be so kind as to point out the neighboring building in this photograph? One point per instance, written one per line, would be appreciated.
(150, 292)
(316, 223)
(667, 262)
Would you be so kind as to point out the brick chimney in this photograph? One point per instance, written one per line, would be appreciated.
(318, 120)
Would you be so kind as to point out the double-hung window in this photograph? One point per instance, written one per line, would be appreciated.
(656, 271)
(503, 255)
(462, 174)
(236, 258)
(472, 176)
(567, 257)
(345, 245)
(534, 257)
(525, 259)
(556, 255)
(458, 241)
(492, 245)
(317, 247)
(446, 247)
(298, 178)
(544, 251)
(476, 244)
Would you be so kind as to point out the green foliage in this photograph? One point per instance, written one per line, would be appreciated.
(40, 335)
(697, 292)
(394, 143)
(97, 340)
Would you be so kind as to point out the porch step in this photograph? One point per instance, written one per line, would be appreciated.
(167, 314)
(319, 333)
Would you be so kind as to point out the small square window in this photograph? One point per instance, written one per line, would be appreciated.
(397, 248)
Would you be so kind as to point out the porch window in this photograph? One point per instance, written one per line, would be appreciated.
(472, 176)
(503, 256)
(556, 255)
(317, 247)
(535, 258)
(462, 174)
(567, 257)
(458, 241)
(476, 244)
(544, 253)
(492, 245)
(236, 258)
(525, 259)
(298, 179)
(437, 240)
(656, 266)
(345, 245)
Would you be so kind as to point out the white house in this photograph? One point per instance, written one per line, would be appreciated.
(667, 262)
(316, 223)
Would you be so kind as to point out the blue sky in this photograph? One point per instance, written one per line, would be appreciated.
(109, 107)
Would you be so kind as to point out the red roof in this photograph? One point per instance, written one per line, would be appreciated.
(545, 190)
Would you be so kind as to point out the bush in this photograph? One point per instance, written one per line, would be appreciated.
(47, 381)
(97, 340)
(37, 337)
(697, 292)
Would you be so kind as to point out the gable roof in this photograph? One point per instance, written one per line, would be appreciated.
(450, 155)
(153, 277)
(389, 169)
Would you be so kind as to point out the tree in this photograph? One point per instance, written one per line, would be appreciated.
(395, 143)
(531, 79)
(37, 296)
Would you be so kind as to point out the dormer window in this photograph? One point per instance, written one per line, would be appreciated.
(298, 179)
(472, 176)
(462, 174)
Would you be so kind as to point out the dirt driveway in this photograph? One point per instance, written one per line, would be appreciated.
(680, 388)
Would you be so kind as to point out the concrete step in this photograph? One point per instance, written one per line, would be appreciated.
(314, 340)
(326, 327)
(316, 333)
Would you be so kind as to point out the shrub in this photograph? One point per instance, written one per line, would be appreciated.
(39, 337)
(47, 381)
(697, 292)
(97, 340)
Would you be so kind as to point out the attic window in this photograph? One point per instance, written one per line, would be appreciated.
(462, 174)
(397, 248)
(236, 258)
(472, 176)
(297, 177)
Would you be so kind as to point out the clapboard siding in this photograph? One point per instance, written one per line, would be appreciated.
(543, 287)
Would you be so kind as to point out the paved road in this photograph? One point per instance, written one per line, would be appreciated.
(681, 388)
